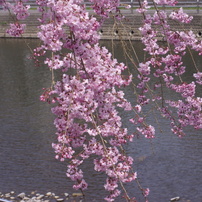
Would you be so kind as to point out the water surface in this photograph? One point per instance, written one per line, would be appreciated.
(169, 166)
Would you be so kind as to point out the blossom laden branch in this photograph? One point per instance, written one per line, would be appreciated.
(88, 96)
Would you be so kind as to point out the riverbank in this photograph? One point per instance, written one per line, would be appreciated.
(126, 29)
(38, 197)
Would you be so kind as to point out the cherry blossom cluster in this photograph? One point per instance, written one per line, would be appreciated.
(180, 16)
(143, 6)
(16, 29)
(19, 12)
(88, 96)
(198, 77)
(104, 7)
(189, 111)
(167, 66)
(166, 2)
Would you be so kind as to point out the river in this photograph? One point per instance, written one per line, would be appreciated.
(168, 165)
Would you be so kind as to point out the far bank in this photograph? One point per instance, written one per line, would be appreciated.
(127, 28)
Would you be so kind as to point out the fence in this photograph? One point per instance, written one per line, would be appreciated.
(186, 4)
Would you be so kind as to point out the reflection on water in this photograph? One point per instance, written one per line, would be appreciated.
(169, 166)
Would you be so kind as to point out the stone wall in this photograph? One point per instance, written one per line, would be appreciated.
(111, 29)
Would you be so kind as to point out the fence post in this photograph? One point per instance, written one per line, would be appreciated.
(197, 6)
(131, 1)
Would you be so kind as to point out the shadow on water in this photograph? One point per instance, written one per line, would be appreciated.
(169, 166)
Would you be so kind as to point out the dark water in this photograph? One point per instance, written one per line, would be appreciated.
(169, 166)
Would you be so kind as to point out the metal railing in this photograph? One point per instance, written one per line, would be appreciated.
(194, 5)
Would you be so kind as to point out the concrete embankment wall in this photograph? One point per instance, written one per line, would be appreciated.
(126, 28)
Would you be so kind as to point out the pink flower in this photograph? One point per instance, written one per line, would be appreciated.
(148, 131)
(198, 77)
(111, 184)
(82, 185)
(16, 29)
(180, 16)
(128, 6)
(186, 90)
(146, 192)
(21, 11)
(138, 108)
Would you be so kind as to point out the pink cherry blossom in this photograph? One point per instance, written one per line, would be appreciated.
(21, 11)
(180, 16)
(16, 29)
(89, 95)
